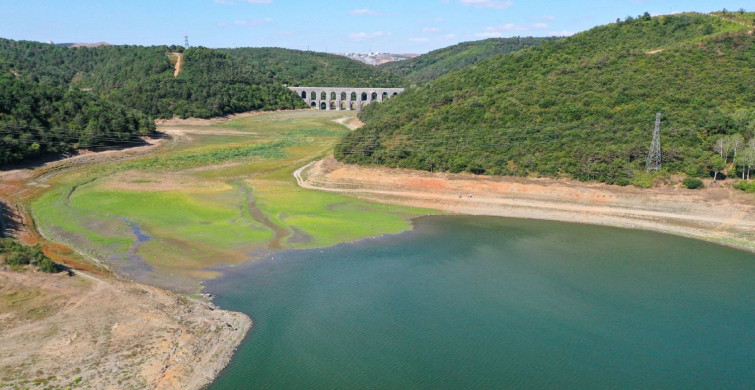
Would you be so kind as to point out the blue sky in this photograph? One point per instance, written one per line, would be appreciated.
(399, 26)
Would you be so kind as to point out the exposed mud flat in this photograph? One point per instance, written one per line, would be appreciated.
(717, 213)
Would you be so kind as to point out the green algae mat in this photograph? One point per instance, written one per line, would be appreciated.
(218, 195)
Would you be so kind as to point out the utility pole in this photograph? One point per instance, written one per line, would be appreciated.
(186, 42)
(654, 156)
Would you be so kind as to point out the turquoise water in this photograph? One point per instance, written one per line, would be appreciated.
(491, 303)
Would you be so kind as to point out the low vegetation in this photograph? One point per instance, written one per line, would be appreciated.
(213, 200)
(745, 186)
(581, 107)
(14, 253)
(692, 183)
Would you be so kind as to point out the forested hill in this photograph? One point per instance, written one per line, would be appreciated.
(581, 107)
(211, 82)
(306, 68)
(38, 118)
(56, 98)
(436, 63)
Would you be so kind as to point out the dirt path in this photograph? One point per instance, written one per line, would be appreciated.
(179, 62)
(718, 214)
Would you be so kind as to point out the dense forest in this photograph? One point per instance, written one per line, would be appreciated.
(436, 63)
(38, 118)
(581, 107)
(211, 83)
(306, 68)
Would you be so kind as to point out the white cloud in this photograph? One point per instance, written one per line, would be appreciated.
(549, 18)
(439, 20)
(252, 22)
(364, 11)
(419, 39)
(497, 31)
(507, 27)
(360, 36)
(430, 30)
(494, 4)
(561, 33)
(234, 2)
(450, 36)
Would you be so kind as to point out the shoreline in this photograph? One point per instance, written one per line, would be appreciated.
(101, 332)
(109, 331)
(720, 215)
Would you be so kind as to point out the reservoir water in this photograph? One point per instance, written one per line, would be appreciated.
(490, 303)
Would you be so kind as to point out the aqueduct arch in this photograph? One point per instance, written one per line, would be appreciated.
(339, 98)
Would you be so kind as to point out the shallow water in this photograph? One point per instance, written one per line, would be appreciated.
(478, 302)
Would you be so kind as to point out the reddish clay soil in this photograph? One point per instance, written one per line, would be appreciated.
(717, 213)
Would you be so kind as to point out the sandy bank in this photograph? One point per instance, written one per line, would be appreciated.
(718, 213)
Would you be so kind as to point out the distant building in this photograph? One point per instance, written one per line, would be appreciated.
(376, 58)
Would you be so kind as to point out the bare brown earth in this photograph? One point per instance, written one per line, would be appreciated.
(113, 334)
(717, 213)
(109, 333)
(179, 62)
(176, 121)
(351, 122)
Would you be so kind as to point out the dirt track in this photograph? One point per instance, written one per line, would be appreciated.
(718, 213)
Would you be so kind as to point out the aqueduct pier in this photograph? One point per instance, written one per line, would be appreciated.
(336, 98)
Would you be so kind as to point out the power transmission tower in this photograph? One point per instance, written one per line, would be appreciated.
(186, 42)
(654, 156)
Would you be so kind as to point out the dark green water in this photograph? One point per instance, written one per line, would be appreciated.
(491, 303)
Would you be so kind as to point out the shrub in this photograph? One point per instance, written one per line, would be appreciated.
(15, 253)
(643, 180)
(745, 186)
(692, 183)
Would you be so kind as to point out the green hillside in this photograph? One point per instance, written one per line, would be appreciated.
(580, 107)
(37, 118)
(307, 68)
(211, 83)
(436, 63)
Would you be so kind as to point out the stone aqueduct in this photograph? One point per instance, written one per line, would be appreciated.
(335, 98)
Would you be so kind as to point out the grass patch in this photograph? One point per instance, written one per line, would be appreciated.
(197, 215)
(326, 217)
